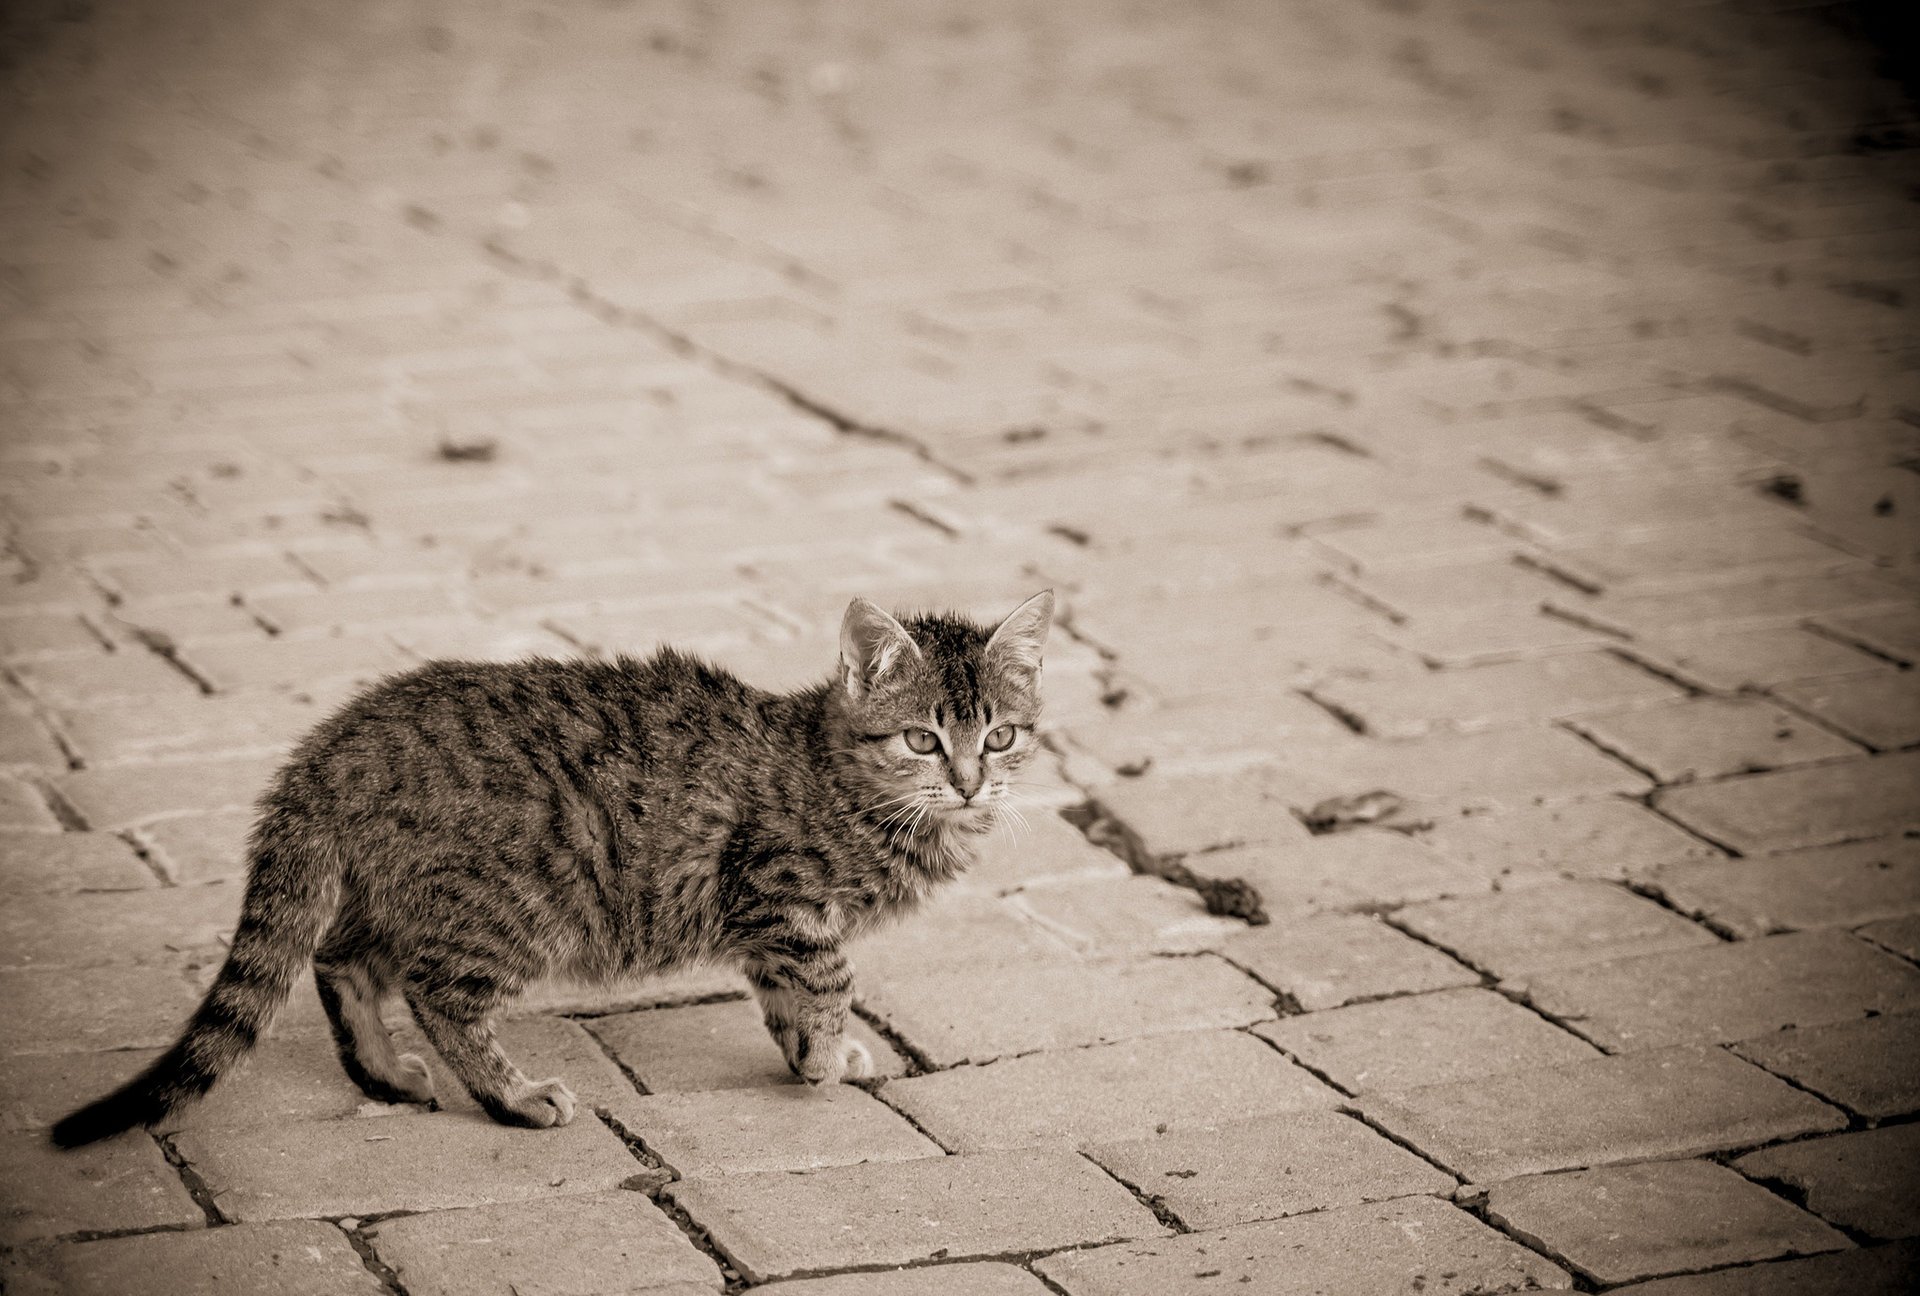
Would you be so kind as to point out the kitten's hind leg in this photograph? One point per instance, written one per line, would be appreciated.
(463, 1032)
(805, 998)
(351, 988)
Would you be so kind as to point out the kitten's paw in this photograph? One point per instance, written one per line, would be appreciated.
(543, 1105)
(845, 1059)
(413, 1080)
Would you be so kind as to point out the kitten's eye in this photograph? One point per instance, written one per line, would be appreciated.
(1000, 739)
(922, 742)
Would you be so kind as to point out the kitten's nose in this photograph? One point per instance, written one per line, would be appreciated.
(967, 781)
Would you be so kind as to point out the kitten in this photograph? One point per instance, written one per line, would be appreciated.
(464, 829)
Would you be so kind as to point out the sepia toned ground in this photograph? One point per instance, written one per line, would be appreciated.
(1474, 443)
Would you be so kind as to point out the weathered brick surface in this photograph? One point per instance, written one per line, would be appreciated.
(1726, 992)
(1864, 1066)
(1428, 1039)
(1334, 959)
(351, 1167)
(1708, 737)
(122, 1184)
(1826, 887)
(1670, 1103)
(593, 1242)
(988, 1278)
(788, 1127)
(1557, 924)
(1108, 1092)
(848, 1217)
(1875, 1271)
(295, 1257)
(1213, 1176)
(713, 1046)
(1867, 1182)
(1420, 1245)
(1410, 417)
(1020, 1009)
(1619, 1223)
(1815, 806)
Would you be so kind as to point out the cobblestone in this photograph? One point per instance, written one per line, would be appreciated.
(1459, 402)
(1863, 1066)
(369, 1167)
(1213, 1176)
(1867, 1182)
(1419, 1245)
(597, 1241)
(1429, 1039)
(1105, 1093)
(946, 1207)
(1620, 1223)
(1831, 886)
(1726, 992)
(1554, 925)
(1667, 1103)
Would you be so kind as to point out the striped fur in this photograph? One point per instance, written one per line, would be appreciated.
(460, 831)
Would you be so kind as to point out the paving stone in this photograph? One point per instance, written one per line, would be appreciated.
(1751, 659)
(1865, 1066)
(1901, 935)
(1815, 806)
(1199, 737)
(122, 796)
(281, 1171)
(1669, 1103)
(85, 1010)
(955, 929)
(1619, 1223)
(95, 677)
(153, 926)
(1826, 887)
(199, 848)
(295, 665)
(38, 1089)
(286, 1257)
(788, 1127)
(35, 863)
(1752, 605)
(1333, 959)
(1726, 992)
(593, 1242)
(1344, 870)
(714, 1046)
(1108, 1092)
(1415, 1246)
(1133, 914)
(1876, 1271)
(1557, 924)
(1605, 838)
(1425, 1039)
(1445, 773)
(1881, 710)
(1213, 1176)
(123, 1183)
(1179, 814)
(23, 807)
(1048, 848)
(1867, 1182)
(773, 1225)
(979, 1015)
(1707, 737)
(990, 1278)
(1895, 632)
(1478, 697)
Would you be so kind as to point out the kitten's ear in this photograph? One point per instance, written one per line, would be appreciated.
(871, 644)
(1017, 641)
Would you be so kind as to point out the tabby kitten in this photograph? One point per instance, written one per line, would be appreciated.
(464, 829)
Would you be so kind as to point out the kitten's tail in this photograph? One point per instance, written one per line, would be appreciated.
(292, 891)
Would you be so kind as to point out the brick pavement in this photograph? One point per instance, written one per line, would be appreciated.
(1509, 407)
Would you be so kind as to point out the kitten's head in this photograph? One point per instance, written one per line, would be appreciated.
(940, 710)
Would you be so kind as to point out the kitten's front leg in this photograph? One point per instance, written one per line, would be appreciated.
(805, 991)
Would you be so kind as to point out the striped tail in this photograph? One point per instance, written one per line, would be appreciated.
(291, 896)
